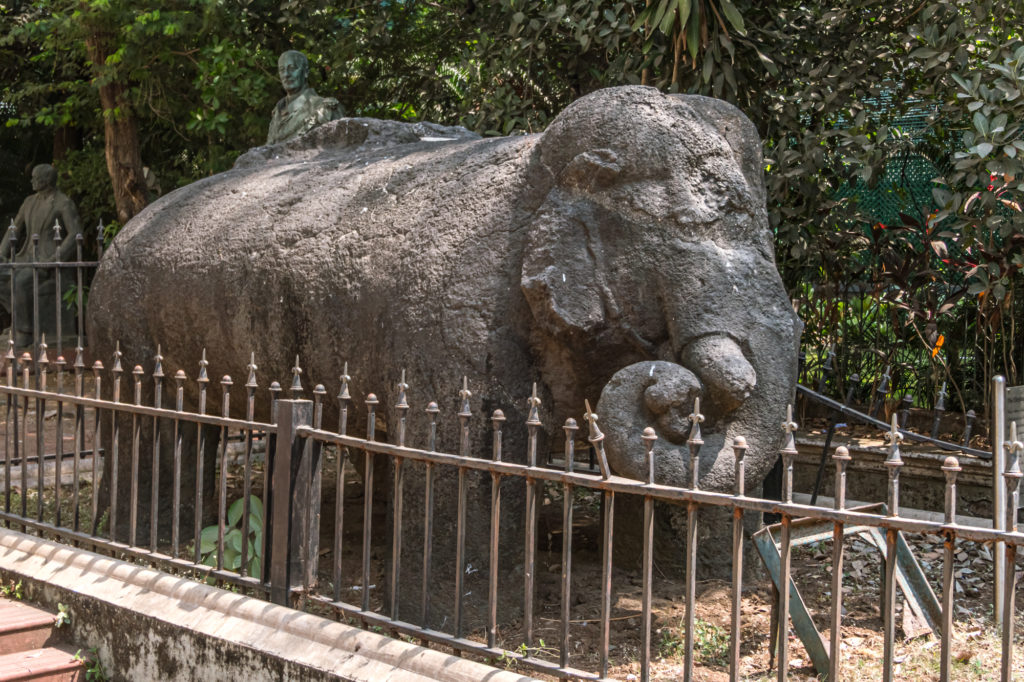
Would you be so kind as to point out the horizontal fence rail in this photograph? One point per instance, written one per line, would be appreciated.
(267, 541)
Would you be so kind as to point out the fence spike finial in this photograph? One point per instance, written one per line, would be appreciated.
(649, 437)
(402, 402)
(117, 358)
(203, 364)
(596, 439)
(79, 352)
(789, 426)
(57, 239)
(158, 367)
(252, 367)
(343, 394)
(43, 358)
(595, 432)
(465, 394)
(1014, 448)
(894, 438)
(296, 388)
(533, 417)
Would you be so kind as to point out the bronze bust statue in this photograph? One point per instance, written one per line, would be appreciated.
(301, 109)
(37, 216)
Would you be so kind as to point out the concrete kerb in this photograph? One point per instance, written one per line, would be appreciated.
(152, 625)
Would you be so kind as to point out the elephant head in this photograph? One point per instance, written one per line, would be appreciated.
(649, 267)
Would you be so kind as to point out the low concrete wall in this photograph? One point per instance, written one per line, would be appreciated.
(149, 625)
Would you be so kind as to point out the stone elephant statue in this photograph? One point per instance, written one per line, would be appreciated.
(632, 230)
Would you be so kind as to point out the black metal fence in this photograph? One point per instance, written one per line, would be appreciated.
(272, 549)
(23, 295)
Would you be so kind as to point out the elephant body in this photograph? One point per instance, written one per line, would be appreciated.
(633, 230)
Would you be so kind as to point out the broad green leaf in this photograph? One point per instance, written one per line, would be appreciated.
(693, 31)
(734, 17)
(984, 149)
(235, 511)
(233, 539)
(256, 509)
(659, 14)
(669, 19)
(208, 539)
(981, 123)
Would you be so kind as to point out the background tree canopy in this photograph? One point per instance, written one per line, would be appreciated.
(892, 130)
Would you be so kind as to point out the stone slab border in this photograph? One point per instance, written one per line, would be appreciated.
(149, 625)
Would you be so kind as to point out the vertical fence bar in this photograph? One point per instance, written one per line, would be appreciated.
(998, 433)
(339, 487)
(59, 443)
(42, 365)
(497, 420)
(115, 431)
(154, 490)
(133, 513)
(10, 425)
(12, 235)
(371, 430)
(842, 460)
(26, 364)
(568, 491)
(607, 538)
(647, 564)
(79, 368)
(35, 297)
(788, 452)
(268, 466)
(250, 413)
(893, 462)
(428, 517)
(58, 299)
(1011, 476)
(694, 443)
(179, 399)
(402, 407)
(97, 422)
(530, 559)
(951, 467)
(596, 439)
(460, 521)
(646, 587)
(312, 471)
(739, 449)
(80, 317)
(197, 515)
(222, 487)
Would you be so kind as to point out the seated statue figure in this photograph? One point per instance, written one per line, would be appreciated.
(301, 109)
(37, 216)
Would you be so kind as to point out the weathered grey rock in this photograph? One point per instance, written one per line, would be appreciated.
(632, 230)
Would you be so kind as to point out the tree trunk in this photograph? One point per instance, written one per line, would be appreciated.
(124, 160)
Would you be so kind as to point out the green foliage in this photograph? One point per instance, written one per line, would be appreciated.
(853, 100)
(94, 670)
(63, 616)
(233, 539)
(12, 590)
(710, 643)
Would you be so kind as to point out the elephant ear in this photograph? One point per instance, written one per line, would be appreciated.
(561, 277)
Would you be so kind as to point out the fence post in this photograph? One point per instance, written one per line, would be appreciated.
(997, 436)
(294, 531)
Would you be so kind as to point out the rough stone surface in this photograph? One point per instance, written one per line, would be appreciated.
(632, 230)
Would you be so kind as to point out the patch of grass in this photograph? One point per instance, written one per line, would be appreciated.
(710, 643)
